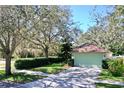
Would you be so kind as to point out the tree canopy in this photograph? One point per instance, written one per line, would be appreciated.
(108, 31)
(40, 27)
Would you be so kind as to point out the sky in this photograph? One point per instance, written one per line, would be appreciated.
(82, 14)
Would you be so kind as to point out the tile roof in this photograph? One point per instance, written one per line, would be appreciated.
(88, 48)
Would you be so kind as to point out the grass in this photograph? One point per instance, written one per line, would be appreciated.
(2, 72)
(103, 85)
(19, 77)
(56, 65)
(51, 69)
(106, 75)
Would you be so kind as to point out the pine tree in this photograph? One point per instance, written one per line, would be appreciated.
(65, 51)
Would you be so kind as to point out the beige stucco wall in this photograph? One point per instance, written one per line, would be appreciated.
(88, 59)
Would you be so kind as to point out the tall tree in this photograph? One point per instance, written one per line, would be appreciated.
(108, 31)
(65, 50)
(51, 28)
(11, 25)
(116, 25)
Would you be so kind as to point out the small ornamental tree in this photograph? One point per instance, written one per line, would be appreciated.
(65, 51)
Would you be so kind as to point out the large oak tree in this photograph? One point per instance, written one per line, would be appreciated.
(108, 31)
(12, 20)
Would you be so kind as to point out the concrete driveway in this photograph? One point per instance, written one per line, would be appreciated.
(74, 77)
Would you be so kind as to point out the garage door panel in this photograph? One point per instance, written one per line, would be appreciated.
(88, 59)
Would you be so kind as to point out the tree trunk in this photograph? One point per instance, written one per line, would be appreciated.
(46, 52)
(8, 64)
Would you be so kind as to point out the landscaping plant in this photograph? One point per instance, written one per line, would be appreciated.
(65, 51)
(105, 63)
(28, 63)
(116, 67)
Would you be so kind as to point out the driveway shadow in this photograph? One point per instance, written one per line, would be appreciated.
(71, 78)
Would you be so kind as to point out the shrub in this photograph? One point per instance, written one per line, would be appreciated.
(56, 60)
(65, 50)
(105, 63)
(28, 63)
(116, 66)
(71, 62)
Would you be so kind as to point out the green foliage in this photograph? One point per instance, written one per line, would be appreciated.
(71, 62)
(116, 66)
(55, 65)
(105, 63)
(2, 72)
(65, 51)
(116, 49)
(33, 27)
(51, 69)
(104, 85)
(28, 63)
(107, 75)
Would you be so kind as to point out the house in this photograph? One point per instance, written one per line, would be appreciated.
(88, 55)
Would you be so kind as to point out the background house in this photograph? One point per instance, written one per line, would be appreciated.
(88, 55)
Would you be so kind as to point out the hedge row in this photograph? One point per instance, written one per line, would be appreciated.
(114, 66)
(27, 63)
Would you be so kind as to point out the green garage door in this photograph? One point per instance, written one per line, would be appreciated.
(88, 59)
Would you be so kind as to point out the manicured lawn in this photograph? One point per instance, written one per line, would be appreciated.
(19, 77)
(2, 72)
(105, 75)
(103, 85)
(51, 69)
(56, 65)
